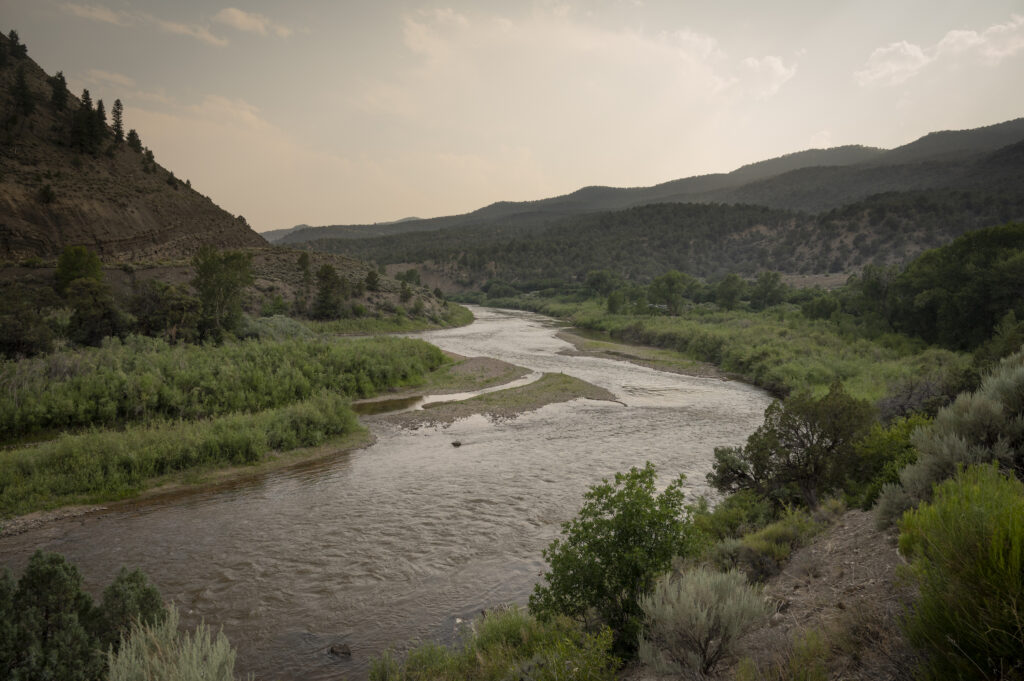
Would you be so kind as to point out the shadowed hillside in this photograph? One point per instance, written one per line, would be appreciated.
(65, 179)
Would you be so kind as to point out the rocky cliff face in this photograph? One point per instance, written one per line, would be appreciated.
(111, 199)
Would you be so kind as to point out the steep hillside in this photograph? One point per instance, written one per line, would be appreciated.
(58, 190)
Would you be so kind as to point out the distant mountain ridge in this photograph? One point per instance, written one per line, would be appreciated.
(814, 180)
(112, 200)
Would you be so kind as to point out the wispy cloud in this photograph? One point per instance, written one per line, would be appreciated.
(120, 18)
(201, 33)
(97, 76)
(900, 61)
(251, 22)
(99, 13)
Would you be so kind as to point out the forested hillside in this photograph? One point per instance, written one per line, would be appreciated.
(706, 240)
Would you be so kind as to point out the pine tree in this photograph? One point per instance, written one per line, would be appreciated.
(99, 123)
(22, 94)
(86, 100)
(18, 49)
(134, 142)
(117, 114)
(59, 94)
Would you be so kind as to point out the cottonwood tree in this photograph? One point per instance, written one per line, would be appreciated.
(220, 280)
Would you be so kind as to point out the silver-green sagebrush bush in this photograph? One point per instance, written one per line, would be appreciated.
(981, 427)
(693, 620)
(160, 651)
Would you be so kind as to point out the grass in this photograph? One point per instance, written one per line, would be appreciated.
(105, 465)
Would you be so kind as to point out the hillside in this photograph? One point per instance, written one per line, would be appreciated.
(57, 190)
(815, 180)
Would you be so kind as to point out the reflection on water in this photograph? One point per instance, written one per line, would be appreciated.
(397, 541)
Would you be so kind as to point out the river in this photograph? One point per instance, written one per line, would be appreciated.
(406, 538)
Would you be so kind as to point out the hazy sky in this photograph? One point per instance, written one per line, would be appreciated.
(337, 111)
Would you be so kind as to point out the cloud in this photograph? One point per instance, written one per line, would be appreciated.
(201, 33)
(96, 76)
(98, 13)
(250, 22)
(118, 18)
(771, 73)
(900, 61)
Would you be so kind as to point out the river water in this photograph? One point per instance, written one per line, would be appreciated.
(408, 537)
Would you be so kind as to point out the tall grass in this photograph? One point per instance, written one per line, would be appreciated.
(104, 464)
(143, 379)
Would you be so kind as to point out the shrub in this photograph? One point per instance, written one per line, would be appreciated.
(801, 452)
(806, 658)
(760, 554)
(609, 555)
(880, 457)
(507, 645)
(51, 629)
(734, 516)
(978, 428)
(692, 621)
(967, 557)
(159, 651)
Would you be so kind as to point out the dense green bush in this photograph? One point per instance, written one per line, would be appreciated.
(51, 629)
(967, 558)
(158, 651)
(609, 555)
(693, 620)
(880, 456)
(507, 645)
(113, 464)
(144, 379)
(979, 427)
(738, 514)
(802, 451)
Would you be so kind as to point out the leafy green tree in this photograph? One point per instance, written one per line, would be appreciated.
(729, 291)
(58, 91)
(117, 117)
(603, 282)
(94, 313)
(767, 290)
(624, 536)
(405, 293)
(220, 280)
(77, 262)
(802, 451)
(671, 290)
(166, 311)
(616, 301)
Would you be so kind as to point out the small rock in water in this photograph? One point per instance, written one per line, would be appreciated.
(341, 650)
(456, 443)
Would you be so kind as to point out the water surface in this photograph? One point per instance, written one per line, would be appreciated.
(401, 540)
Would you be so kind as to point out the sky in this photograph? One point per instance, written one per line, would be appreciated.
(343, 112)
